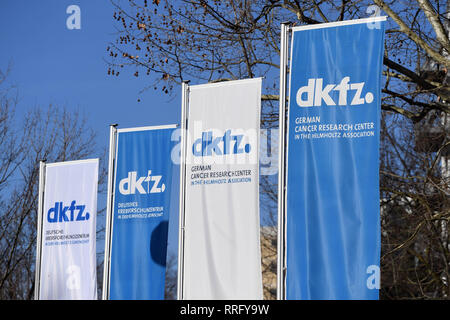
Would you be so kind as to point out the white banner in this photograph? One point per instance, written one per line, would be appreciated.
(222, 257)
(68, 238)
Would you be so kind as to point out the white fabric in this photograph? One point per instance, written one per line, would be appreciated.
(222, 257)
(68, 260)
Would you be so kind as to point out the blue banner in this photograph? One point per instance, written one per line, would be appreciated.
(141, 214)
(332, 204)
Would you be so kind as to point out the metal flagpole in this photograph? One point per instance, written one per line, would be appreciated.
(184, 103)
(109, 210)
(37, 278)
(281, 265)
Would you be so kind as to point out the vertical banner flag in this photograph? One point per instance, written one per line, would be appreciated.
(68, 268)
(221, 243)
(142, 188)
(332, 204)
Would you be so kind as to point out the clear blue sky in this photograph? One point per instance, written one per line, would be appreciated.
(52, 64)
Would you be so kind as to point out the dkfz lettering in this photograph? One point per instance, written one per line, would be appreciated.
(209, 145)
(314, 93)
(132, 183)
(61, 213)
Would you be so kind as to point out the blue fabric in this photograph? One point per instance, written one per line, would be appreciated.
(139, 242)
(332, 208)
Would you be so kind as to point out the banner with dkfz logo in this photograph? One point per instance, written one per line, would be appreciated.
(142, 189)
(332, 208)
(68, 268)
(222, 258)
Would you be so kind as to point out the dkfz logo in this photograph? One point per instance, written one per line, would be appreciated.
(314, 93)
(209, 145)
(132, 183)
(61, 213)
